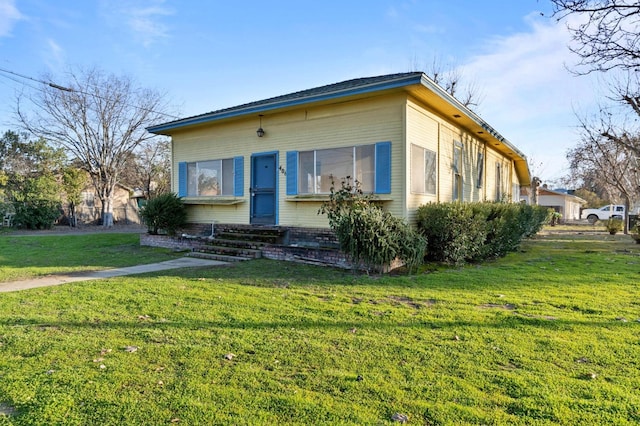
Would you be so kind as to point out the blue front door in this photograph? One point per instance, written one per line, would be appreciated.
(264, 178)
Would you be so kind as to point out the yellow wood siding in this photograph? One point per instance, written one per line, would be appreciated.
(506, 165)
(427, 129)
(396, 118)
(422, 131)
(473, 192)
(378, 119)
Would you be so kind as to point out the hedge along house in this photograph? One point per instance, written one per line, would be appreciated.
(272, 162)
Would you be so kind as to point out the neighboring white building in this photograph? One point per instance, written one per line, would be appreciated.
(566, 204)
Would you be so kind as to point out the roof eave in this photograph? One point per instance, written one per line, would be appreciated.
(280, 104)
(521, 163)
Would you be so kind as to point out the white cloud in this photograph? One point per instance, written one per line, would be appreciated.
(530, 95)
(54, 55)
(142, 18)
(9, 15)
(145, 23)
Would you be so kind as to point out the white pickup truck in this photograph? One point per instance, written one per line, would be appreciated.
(611, 211)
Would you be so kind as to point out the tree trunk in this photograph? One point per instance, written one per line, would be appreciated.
(627, 205)
(107, 212)
(73, 221)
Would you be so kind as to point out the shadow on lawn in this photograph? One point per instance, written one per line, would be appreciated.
(505, 322)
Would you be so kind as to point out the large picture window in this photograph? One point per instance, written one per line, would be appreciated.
(311, 172)
(423, 170)
(318, 169)
(210, 178)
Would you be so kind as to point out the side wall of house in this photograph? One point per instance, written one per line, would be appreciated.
(478, 171)
(500, 176)
(363, 122)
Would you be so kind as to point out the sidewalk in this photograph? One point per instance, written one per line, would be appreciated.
(184, 262)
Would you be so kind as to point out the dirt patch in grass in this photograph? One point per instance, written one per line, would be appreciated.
(6, 409)
(506, 306)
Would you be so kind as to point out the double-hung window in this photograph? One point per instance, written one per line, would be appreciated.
(457, 171)
(424, 171)
(314, 171)
(498, 182)
(480, 170)
(211, 178)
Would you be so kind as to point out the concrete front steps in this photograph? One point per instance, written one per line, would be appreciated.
(233, 244)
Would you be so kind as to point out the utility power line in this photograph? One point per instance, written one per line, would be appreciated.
(67, 89)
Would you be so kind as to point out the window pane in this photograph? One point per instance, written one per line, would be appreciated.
(498, 183)
(192, 179)
(333, 165)
(457, 159)
(480, 167)
(457, 187)
(227, 176)
(430, 172)
(365, 167)
(306, 173)
(417, 170)
(209, 176)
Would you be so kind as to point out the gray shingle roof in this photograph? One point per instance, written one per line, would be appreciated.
(344, 88)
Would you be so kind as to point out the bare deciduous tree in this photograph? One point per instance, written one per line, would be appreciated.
(625, 93)
(615, 169)
(606, 35)
(149, 168)
(99, 119)
(451, 78)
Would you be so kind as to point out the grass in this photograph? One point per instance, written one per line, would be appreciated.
(548, 335)
(23, 257)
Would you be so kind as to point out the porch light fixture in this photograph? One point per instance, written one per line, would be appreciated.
(260, 131)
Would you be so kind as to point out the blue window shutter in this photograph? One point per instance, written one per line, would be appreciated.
(182, 179)
(383, 168)
(238, 176)
(292, 172)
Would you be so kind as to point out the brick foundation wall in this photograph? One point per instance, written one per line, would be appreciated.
(318, 237)
(165, 241)
(306, 254)
(299, 244)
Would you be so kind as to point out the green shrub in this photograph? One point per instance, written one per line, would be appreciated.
(165, 212)
(614, 225)
(370, 236)
(459, 233)
(454, 231)
(506, 225)
(36, 214)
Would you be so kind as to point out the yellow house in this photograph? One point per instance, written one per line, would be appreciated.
(405, 139)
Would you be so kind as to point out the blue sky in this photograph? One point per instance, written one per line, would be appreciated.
(208, 55)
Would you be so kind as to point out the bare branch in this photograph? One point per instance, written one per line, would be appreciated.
(99, 119)
(608, 35)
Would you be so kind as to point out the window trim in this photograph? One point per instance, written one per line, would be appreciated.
(237, 178)
(424, 171)
(480, 169)
(458, 182)
(498, 181)
(381, 169)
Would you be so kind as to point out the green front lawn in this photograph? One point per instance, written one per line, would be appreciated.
(23, 257)
(548, 335)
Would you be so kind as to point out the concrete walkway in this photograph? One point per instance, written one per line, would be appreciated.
(51, 280)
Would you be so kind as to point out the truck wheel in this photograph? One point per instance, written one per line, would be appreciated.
(592, 218)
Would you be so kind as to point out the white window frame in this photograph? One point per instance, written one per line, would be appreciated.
(423, 176)
(222, 184)
(316, 183)
(457, 166)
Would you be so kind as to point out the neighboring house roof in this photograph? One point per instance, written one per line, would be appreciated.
(547, 191)
(416, 83)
